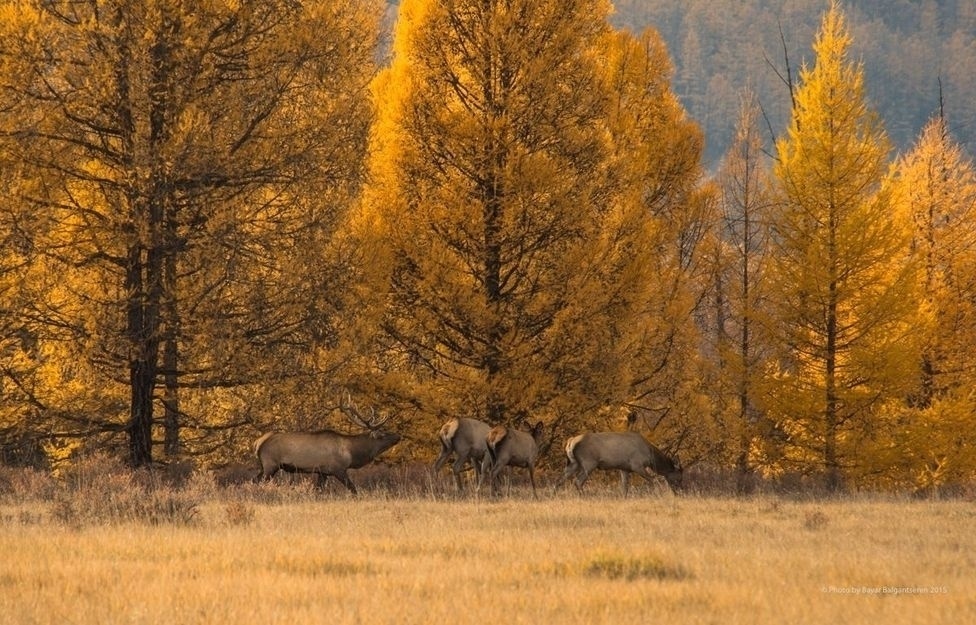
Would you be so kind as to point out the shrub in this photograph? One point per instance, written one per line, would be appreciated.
(22, 484)
(815, 520)
(632, 568)
(239, 513)
(101, 490)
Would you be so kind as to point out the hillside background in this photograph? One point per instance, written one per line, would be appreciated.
(720, 46)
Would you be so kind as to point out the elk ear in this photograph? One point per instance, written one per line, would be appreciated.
(677, 463)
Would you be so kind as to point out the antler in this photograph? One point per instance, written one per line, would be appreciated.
(354, 415)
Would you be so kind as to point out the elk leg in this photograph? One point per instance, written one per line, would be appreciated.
(532, 481)
(625, 481)
(647, 475)
(457, 468)
(493, 480)
(344, 478)
(486, 471)
(265, 475)
(581, 479)
(571, 469)
(320, 480)
(441, 459)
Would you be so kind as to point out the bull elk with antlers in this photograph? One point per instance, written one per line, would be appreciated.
(325, 452)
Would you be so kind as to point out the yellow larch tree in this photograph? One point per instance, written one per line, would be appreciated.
(842, 291)
(656, 180)
(527, 165)
(934, 184)
(190, 163)
(747, 203)
(485, 182)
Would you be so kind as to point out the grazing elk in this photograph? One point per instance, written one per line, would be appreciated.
(627, 452)
(510, 447)
(325, 452)
(466, 439)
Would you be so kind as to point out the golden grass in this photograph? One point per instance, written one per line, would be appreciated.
(596, 559)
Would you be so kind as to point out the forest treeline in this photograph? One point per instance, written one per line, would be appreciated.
(219, 219)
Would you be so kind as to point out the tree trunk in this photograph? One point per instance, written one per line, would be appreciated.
(171, 354)
(831, 463)
(745, 351)
(492, 191)
(142, 329)
(495, 404)
(147, 288)
(171, 393)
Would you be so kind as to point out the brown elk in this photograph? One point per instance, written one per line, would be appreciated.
(466, 439)
(325, 452)
(510, 447)
(627, 452)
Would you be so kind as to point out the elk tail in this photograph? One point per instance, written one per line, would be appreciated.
(259, 442)
(571, 448)
(495, 436)
(447, 432)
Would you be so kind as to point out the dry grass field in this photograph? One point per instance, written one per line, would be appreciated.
(252, 555)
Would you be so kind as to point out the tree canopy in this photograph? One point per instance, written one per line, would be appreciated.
(217, 219)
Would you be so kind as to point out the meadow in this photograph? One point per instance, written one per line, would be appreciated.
(285, 554)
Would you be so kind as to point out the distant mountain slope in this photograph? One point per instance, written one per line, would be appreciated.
(719, 46)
